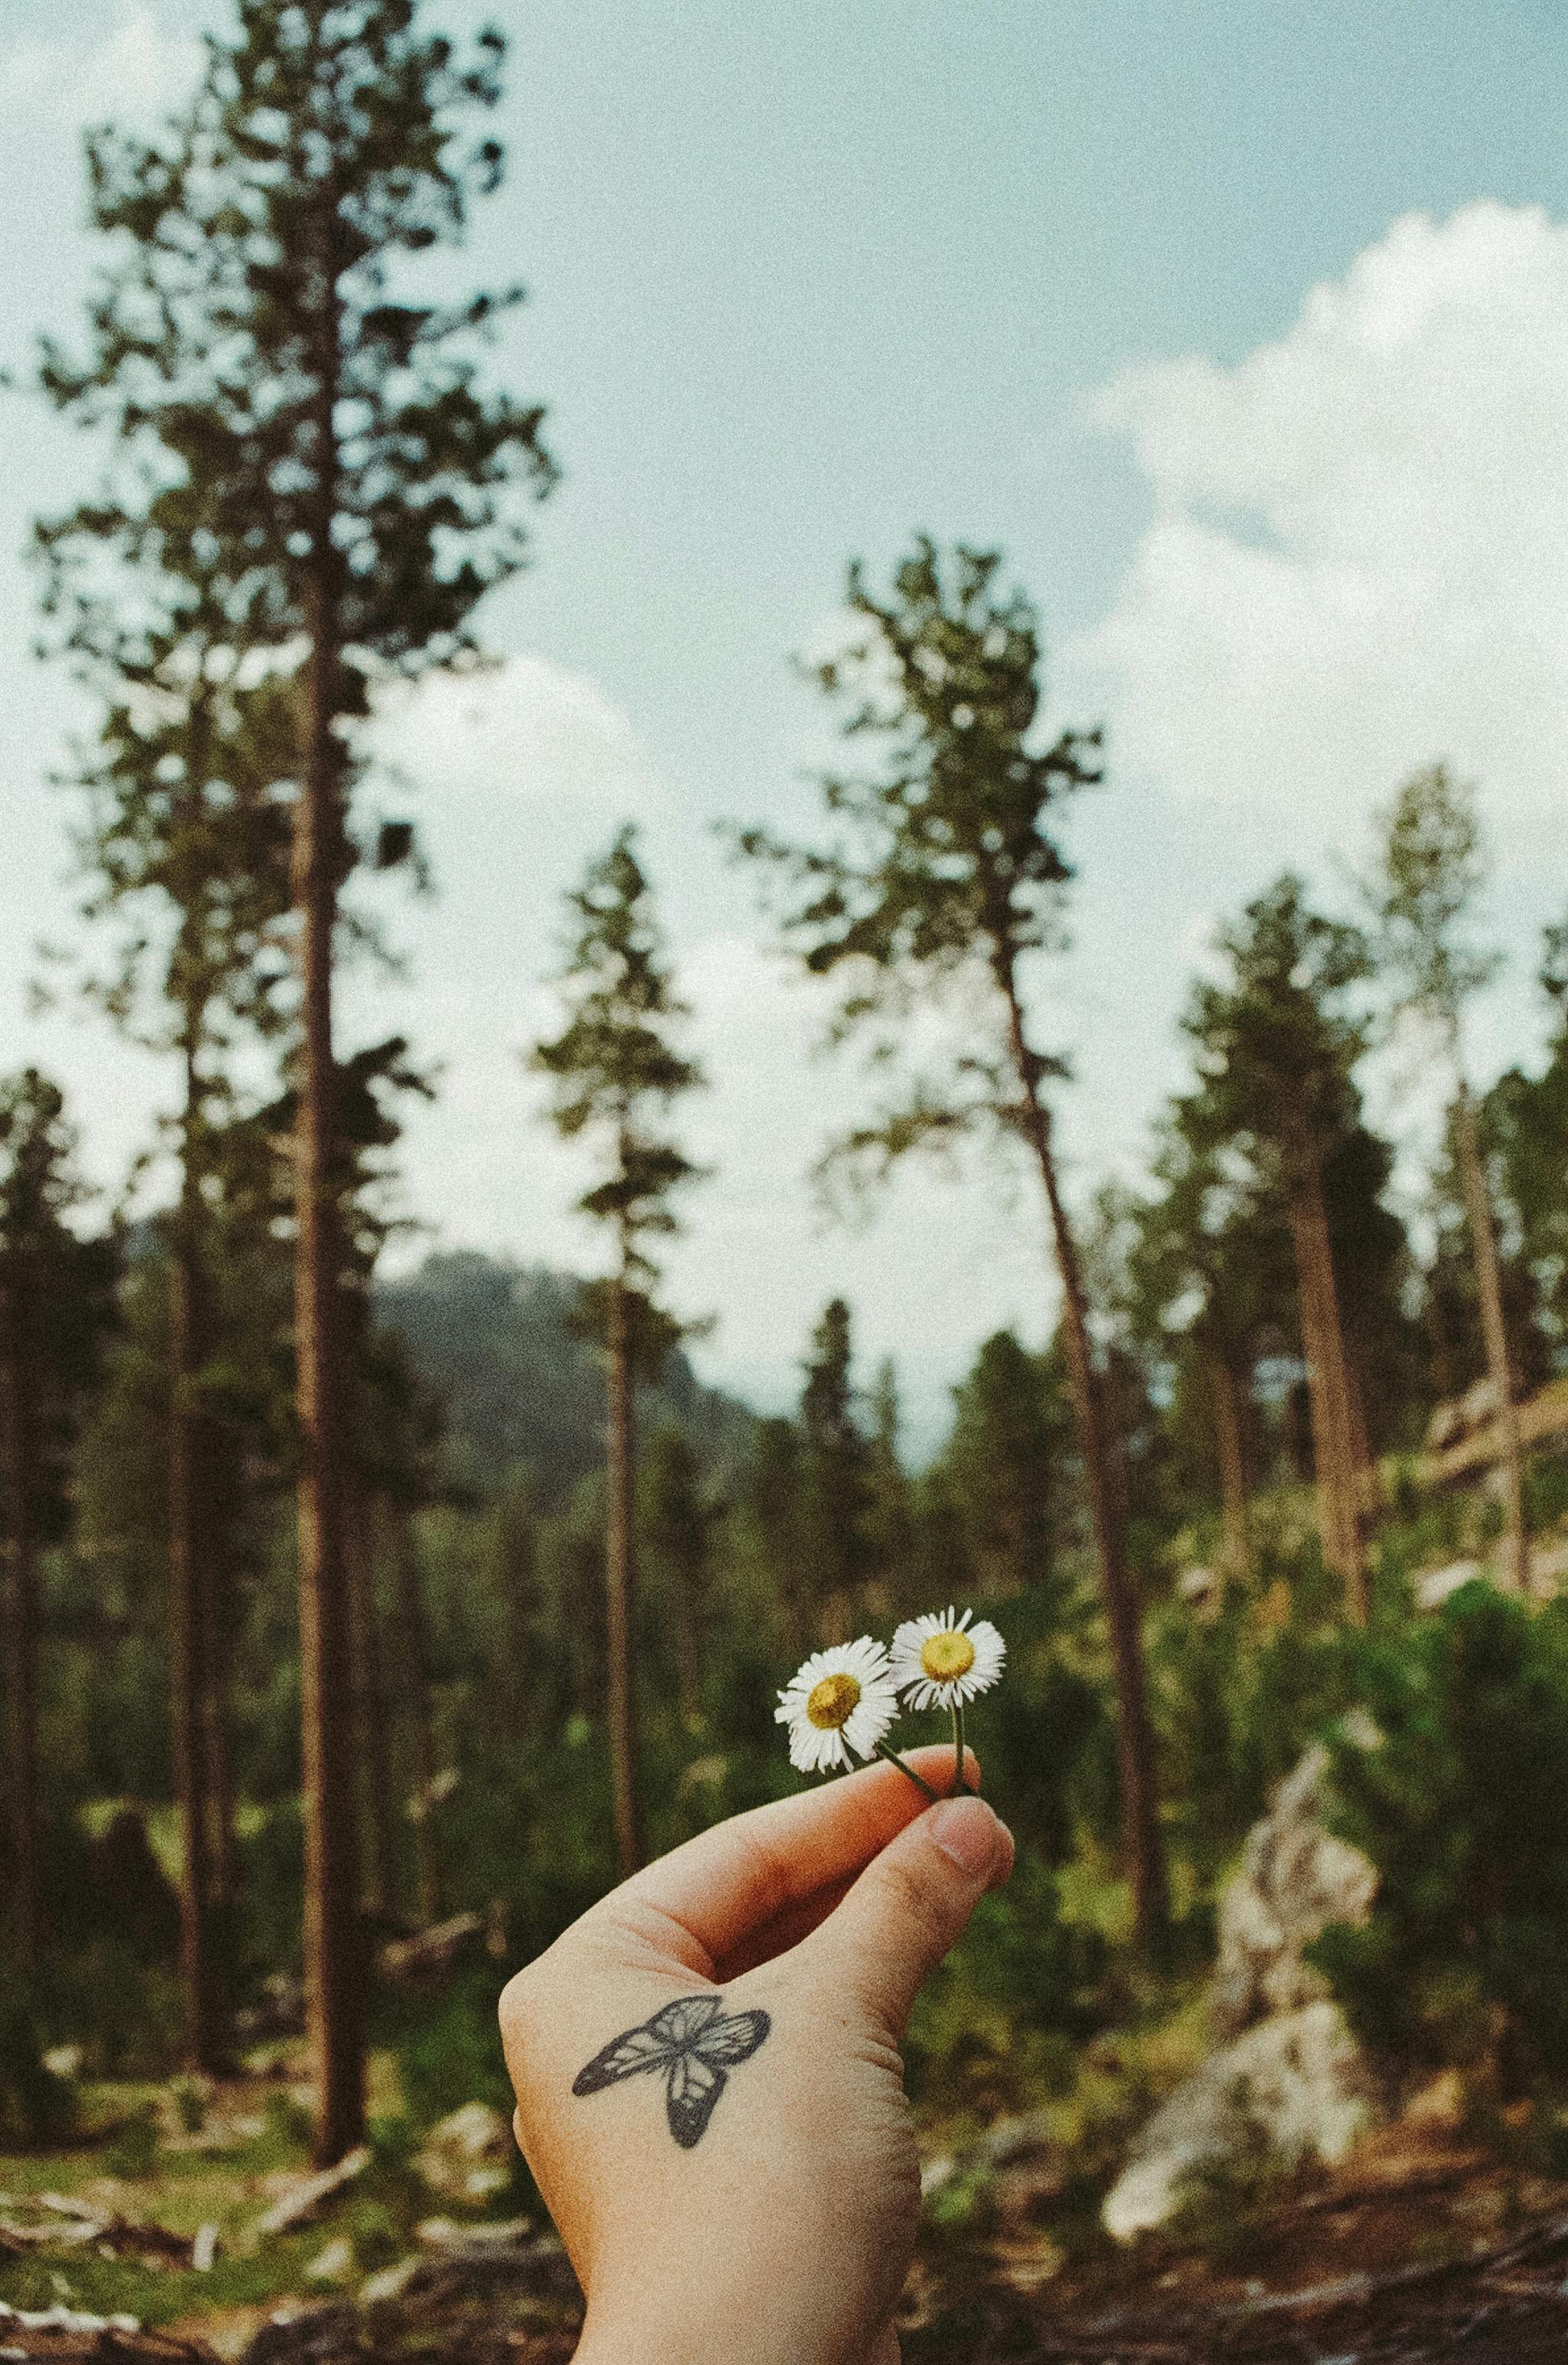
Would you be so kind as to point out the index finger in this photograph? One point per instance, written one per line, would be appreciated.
(721, 1885)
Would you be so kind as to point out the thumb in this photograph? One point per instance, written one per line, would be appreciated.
(910, 1904)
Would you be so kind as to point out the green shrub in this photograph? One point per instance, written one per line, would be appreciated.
(1238, 1702)
(134, 2152)
(1464, 1959)
(1001, 2019)
(448, 2047)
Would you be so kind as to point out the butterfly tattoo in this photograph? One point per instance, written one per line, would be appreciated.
(696, 2044)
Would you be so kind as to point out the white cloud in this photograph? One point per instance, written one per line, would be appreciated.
(1358, 557)
(525, 728)
(134, 67)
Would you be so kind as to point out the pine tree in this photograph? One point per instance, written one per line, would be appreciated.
(946, 876)
(1003, 1467)
(893, 1497)
(773, 1498)
(1276, 1040)
(1210, 1272)
(351, 481)
(54, 1294)
(1431, 867)
(836, 1473)
(679, 1524)
(615, 1076)
(186, 848)
(1524, 1126)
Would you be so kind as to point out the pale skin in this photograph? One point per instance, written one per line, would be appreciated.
(783, 2236)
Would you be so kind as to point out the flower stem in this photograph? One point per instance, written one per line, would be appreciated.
(959, 1781)
(918, 1779)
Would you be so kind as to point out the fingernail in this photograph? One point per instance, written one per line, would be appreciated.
(966, 1832)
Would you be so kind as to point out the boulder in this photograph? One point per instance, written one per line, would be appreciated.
(468, 2155)
(1288, 2081)
(1294, 1879)
(1295, 2087)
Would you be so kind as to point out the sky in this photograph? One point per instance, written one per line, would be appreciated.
(1242, 329)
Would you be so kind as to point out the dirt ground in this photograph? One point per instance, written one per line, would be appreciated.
(1418, 2249)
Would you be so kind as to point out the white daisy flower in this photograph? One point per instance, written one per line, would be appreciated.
(940, 1661)
(842, 1700)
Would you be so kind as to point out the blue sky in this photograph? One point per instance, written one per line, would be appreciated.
(1134, 291)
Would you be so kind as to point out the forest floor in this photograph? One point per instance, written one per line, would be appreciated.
(1420, 2248)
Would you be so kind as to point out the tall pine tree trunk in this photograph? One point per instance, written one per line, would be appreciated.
(334, 1964)
(370, 1703)
(1142, 1836)
(417, 1702)
(218, 1607)
(21, 1617)
(1230, 1446)
(189, 1620)
(1328, 1374)
(619, 1583)
(1493, 1332)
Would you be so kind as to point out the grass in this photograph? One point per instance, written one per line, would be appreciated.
(158, 2182)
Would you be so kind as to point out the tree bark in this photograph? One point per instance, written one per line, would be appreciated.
(1323, 1340)
(218, 1605)
(619, 1584)
(189, 1618)
(21, 1613)
(1230, 1445)
(422, 1736)
(334, 1969)
(1494, 1333)
(370, 1702)
(1124, 1613)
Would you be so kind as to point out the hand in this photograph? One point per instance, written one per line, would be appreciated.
(736, 2184)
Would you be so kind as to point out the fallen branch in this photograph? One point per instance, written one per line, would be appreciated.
(304, 2198)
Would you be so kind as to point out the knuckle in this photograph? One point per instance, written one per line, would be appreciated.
(519, 2005)
(912, 1898)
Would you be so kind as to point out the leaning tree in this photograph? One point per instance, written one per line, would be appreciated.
(942, 878)
(261, 364)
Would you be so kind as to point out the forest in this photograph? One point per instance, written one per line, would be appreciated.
(365, 1616)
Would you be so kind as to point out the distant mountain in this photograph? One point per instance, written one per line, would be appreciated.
(524, 1394)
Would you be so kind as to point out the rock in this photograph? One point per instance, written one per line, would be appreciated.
(468, 2155)
(1295, 2087)
(1432, 1587)
(1295, 1878)
(1288, 2081)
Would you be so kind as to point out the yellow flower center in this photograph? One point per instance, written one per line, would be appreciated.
(833, 1702)
(945, 1657)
